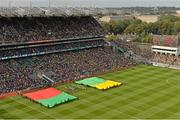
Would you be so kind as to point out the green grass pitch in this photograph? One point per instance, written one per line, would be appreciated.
(148, 92)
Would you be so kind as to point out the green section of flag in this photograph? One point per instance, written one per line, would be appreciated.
(59, 99)
(91, 81)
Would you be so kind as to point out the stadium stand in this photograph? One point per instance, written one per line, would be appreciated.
(19, 74)
(165, 50)
(166, 40)
(24, 51)
(33, 29)
(137, 51)
(38, 52)
(168, 59)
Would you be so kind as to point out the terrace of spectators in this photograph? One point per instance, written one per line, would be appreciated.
(75, 46)
(29, 36)
(33, 29)
(26, 73)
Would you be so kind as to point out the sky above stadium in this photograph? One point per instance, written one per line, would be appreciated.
(92, 3)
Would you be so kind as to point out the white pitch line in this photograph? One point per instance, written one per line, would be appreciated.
(30, 107)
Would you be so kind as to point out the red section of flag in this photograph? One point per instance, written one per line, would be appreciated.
(43, 94)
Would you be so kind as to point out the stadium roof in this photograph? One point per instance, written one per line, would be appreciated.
(48, 11)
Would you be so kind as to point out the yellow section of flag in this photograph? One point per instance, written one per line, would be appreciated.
(107, 84)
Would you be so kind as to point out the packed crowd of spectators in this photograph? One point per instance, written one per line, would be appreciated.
(32, 29)
(143, 50)
(66, 61)
(166, 59)
(50, 48)
(19, 74)
(166, 40)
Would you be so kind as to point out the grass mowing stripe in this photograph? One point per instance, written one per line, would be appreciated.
(30, 107)
(148, 92)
